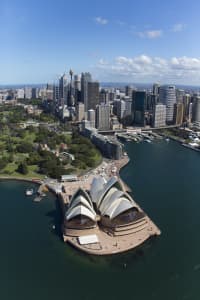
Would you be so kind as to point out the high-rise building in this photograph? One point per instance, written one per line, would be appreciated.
(77, 82)
(103, 96)
(196, 109)
(103, 117)
(168, 98)
(180, 95)
(77, 88)
(91, 117)
(28, 93)
(80, 111)
(85, 78)
(120, 108)
(178, 113)
(156, 89)
(20, 93)
(92, 95)
(186, 103)
(63, 89)
(129, 91)
(139, 107)
(55, 93)
(159, 116)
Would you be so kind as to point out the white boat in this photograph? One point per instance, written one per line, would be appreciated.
(167, 140)
(29, 192)
(147, 141)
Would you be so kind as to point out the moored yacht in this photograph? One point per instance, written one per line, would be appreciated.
(29, 192)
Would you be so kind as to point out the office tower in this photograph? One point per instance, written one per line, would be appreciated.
(120, 108)
(49, 92)
(91, 117)
(111, 96)
(103, 96)
(34, 93)
(85, 78)
(129, 91)
(56, 93)
(77, 89)
(139, 107)
(20, 93)
(128, 107)
(80, 111)
(168, 98)
(159, 117)
(186, 103)
(178, 113)
(156, 89)
(196, 109)
(179, 96)
(28, 92)
(77, 82)
(63, 89)
(190, 112)
(103, 116)
(92, 95)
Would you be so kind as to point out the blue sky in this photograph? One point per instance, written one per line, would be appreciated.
(134, 41)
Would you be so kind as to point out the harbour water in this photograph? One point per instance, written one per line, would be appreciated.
(36, 264)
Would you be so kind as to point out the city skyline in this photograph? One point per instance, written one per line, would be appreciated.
(128, 42)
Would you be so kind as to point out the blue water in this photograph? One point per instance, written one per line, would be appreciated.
(36, 264)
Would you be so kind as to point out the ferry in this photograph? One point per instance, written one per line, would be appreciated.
(29, 192)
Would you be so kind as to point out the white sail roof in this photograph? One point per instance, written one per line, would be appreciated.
(81, 192)
(119, 206)
(111, 196)
(96, 186)
(80, 210)
(80, 200)
(113, 181)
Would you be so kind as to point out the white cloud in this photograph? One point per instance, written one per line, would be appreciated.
(101, 21)
(150, 34)
(146, 68)
(178, 27)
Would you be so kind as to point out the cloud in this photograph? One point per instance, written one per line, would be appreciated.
(178, 27)
(101, 21)
(146, 68)
(150, 34)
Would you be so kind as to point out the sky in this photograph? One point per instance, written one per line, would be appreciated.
(117, 41)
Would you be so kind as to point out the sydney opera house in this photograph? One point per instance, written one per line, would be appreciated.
(105, 219)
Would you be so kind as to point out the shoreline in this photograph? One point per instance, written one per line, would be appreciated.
(37, 181)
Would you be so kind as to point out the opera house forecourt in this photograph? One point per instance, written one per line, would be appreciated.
(105, 219)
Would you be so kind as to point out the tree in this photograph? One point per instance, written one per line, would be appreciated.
(24, 147)
(3, 163)
(22, 168)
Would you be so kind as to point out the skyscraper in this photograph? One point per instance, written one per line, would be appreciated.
(139, 107)
(178, 113)
(63, 89)
(91, 117)
(168, 98)
(80, 111)
(103, 116)
(196, 109)
(159, 116)
(85, 78)
(92, 99)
